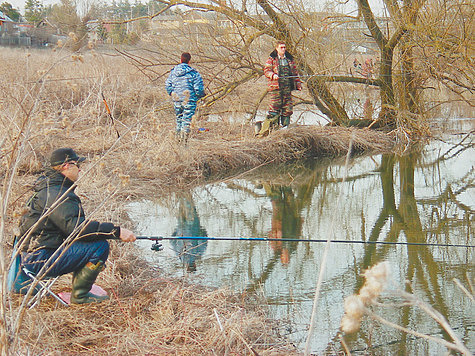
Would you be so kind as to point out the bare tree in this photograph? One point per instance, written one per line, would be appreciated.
(232, 44)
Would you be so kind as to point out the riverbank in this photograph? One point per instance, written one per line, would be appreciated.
(134, 155)
(149, 313)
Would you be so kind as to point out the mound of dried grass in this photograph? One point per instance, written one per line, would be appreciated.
(297, 143)
(211, 155)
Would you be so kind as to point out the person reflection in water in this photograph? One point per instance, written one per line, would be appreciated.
(188, 224)
(286, 219)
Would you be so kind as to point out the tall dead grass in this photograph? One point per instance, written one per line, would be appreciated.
(149, 314)
(52, 99)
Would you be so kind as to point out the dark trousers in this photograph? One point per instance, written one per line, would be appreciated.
(73, 259)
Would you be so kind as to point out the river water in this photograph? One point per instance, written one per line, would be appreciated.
(425, 196)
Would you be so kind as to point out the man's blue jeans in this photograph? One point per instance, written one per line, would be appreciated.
(73, 259)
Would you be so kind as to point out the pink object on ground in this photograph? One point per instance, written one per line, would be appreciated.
(66, 296)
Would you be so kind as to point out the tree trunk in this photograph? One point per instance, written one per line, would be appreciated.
(326, 102)
(388, 110)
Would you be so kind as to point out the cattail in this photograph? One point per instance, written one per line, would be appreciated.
(380, 272)
(354, 306)
(125, 179)
(350, 325)
(369, 293)
(376, 278)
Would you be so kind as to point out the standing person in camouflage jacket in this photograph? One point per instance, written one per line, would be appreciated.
(283, 77)
(185, 86)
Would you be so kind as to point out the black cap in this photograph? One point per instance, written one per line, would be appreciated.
(63, 155)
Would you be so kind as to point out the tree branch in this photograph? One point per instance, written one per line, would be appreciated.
(350, 79)
(225, 10)
(371, 23)
(118, 22)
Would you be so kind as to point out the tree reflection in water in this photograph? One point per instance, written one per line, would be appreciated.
(418, 197)
(396, 222)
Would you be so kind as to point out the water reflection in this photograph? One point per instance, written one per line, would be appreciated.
(286, 218)
(405, 225)
(423, 197)
(188, 224)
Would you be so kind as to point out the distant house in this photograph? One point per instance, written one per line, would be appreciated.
(166, 23)
(45, 33)
(24, 27)
(7, 25)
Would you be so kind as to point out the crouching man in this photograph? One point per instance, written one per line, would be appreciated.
(54, 215)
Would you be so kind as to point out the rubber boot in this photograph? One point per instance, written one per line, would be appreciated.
(82, 284)
(285, 121)
(268, 125)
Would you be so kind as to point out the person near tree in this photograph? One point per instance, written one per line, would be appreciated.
(282, 78)
(185, 86)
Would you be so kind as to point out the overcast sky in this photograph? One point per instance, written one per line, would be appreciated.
(377, 5)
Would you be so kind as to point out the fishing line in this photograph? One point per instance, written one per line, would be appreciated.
(286, 239)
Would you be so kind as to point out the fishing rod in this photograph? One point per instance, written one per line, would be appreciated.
(110, 114)
(158, 246)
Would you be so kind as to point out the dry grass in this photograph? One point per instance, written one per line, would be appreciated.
(151, 315)
(53, 99)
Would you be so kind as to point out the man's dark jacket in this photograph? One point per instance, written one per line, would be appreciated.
(62, 220)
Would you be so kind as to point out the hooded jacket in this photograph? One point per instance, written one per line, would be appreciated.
(185, 82)
(62, 220)
(271, 70)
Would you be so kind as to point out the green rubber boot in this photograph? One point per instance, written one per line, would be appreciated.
(285, 121)
(82, 284)
(270, 123)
